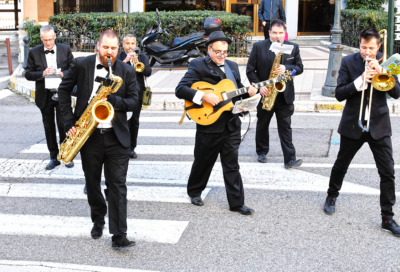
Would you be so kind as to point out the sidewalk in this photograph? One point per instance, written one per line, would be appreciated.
(308, 86)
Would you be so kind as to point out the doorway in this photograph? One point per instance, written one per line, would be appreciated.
(315, 17)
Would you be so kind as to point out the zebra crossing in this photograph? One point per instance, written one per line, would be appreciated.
(149, 181)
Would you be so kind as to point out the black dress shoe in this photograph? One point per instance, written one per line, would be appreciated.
(391, 225)
(243, 210)
(329, 207)
(52, 164)
(97, 230)
(85, 190)
(197, 201)
(293, 163)
(262, 158)
(120, 240)
(133, 155)
(70, 165)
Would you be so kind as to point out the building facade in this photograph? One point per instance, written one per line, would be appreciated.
(304, 17)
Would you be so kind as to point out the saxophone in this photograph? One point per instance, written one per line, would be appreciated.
(98, 111)
(268, 101)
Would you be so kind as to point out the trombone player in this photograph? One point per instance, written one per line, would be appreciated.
(356, 73)
(143, 69)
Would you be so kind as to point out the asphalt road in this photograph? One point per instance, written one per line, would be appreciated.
(288, 232)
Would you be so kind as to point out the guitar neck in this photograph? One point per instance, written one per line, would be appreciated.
(258, 85)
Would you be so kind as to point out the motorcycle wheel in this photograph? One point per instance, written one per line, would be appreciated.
(152, 61)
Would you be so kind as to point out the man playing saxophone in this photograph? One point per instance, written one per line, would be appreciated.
(109, 145)
(130, 57)
(258, 69)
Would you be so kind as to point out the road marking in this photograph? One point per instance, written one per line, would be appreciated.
(155, 231)
(141, 149)
(4, 93)
(28, 266)
(74, 191)
(255, 175)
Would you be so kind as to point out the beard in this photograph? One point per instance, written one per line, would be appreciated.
(103, 58)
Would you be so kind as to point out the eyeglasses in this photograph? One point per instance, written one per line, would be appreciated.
(50, 40)
(219, 54)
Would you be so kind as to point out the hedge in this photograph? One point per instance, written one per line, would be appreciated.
(353, 21)
(92, 24)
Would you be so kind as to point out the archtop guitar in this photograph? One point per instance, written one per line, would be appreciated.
(207, 114)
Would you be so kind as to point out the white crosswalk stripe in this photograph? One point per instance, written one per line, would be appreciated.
(159, 231)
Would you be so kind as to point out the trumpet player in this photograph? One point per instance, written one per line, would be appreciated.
(258, 69)
(130, 57)
(355, 75)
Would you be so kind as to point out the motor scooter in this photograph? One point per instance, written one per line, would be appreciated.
(181, 48)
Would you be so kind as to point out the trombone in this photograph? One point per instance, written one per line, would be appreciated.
(382, 82)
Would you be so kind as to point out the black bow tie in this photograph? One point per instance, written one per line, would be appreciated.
(49, 51)
(99, 66)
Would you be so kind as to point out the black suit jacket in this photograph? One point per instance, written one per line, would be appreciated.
(260, 63)
(37, 64)
(351, 68)
(200, 70)
(82, 74)
(139, 76)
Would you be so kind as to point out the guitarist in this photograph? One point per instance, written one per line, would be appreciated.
(222, 137)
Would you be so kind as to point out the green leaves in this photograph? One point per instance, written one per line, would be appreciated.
(353, 21)
(90, 25)
(366, 4)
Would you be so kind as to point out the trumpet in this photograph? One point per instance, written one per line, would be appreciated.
(139, 66)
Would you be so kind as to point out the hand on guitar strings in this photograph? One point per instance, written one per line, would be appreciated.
(252, 91)
(211, 98)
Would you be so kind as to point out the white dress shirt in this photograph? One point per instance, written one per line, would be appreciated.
(51, 59)
(198, 97)
(101, 73)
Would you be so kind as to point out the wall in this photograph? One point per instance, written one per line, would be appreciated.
(45, 10)
(30, 10)
(136, 5)
(292, 14)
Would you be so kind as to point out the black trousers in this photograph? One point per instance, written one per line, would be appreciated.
(105, 149)
(266, 30)
(50, 109)
(382, 151)
(134, 125)
(206, 150)
(283, 114)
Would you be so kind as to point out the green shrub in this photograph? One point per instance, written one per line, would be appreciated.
(353, 21)
(33, 32)
(90, 25)
(365, 4)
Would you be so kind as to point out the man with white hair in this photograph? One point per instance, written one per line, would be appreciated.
(43, 60)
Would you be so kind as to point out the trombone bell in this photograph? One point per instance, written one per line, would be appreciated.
(383, 82)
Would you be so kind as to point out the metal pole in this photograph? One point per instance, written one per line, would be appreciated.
(26, 50)
(335, 55)
(9, 56)
(390, 29)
